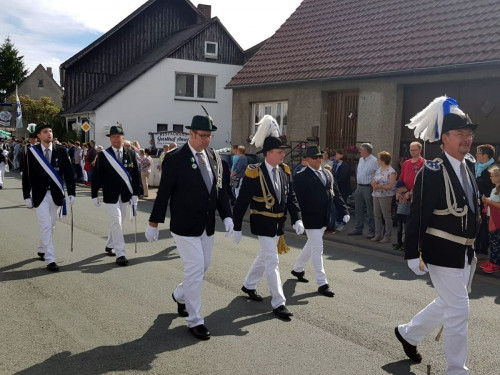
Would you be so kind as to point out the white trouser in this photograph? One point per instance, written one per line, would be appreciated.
(450, 308)
(267, 260)
(46, 214)
(117, 213)
(2, 172)
(196, 253)
(313, 249)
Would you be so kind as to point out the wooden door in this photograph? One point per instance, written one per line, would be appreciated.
(341, 125)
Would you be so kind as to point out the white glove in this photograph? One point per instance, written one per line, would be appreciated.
(96, 202)
(414, 265)
(298, 226)
(228, 225)
(135, 199)
(28, 202)
(71, 200)
(152, 233)
(237, 236)
(346, 218)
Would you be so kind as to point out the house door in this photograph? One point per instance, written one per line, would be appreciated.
(341, 126)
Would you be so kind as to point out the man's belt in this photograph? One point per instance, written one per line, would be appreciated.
(265, 213)
(450, 237)
(364, 185)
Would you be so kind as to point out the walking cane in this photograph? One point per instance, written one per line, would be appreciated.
(71, 228)
(135, 224)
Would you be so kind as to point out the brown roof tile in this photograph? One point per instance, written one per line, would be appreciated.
(348, 38)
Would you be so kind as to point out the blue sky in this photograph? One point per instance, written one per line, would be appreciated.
(49, 32)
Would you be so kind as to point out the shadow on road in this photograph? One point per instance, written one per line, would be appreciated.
(139, 354)
(92, 264)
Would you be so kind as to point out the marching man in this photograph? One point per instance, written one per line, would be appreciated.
(440, 233)
(117, 173)
(317, 194)
(268, 190)
(47, 170)
(191, 182)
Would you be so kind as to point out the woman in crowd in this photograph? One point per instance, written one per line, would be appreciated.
(493, 211)
(383, 193)
(145, 163)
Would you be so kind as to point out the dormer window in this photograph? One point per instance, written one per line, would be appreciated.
(211, 50)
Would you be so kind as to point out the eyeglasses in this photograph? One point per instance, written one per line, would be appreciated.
(462, 135)
(203, 136)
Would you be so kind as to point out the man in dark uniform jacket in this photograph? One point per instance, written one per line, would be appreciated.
(191, 181)
(315, 189)
(443, 235)
(47, 170)
(268, 207)
(117, 174)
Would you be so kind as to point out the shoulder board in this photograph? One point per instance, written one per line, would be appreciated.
(433, 165)
(286, 168)
(252, 170)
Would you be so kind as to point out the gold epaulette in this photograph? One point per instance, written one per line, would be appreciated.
(252, 170)
(286, 168)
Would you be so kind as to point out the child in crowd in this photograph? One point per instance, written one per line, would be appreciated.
(493, 206)
(402, 212)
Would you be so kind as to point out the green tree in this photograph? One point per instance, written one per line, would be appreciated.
(37, 110)
(12, 68)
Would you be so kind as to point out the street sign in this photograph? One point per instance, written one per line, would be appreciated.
(86, 126)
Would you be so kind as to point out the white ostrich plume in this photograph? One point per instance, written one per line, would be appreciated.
(428, 123)
(266, 127)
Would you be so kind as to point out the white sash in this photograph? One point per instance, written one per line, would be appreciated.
(119, 168)
(48, 168)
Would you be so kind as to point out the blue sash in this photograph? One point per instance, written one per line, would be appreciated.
(119, 168)
(53, 174)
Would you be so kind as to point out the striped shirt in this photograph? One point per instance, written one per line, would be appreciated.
(366, 170)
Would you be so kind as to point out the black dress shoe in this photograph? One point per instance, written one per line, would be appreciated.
(370, 236)
(181, 308)
(41, 255)
(252, 294)
(410, 350)
(200, 332)
(300, 276)
(122, 261)
(52, 267)
(110, 251)
(326, 291)
(354, 233)
(282, 312)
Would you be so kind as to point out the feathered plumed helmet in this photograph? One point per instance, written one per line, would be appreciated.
(267, 135)
(440, 116)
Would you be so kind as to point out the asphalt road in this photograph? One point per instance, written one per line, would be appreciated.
(96, 318)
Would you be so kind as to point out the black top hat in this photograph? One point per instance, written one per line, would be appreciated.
(115, 130)
(32, 135)
(202, 123)
(40, 127)
(313, 151)
(452, 121)
(270, 143)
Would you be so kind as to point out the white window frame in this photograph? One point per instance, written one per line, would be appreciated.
(211, 55)
(278, 109)
(195, 87)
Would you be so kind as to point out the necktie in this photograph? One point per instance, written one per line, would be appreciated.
(276, 186)
(119, 155)
(320, 177)
(46, 153)
(204, 171)
(466, 185)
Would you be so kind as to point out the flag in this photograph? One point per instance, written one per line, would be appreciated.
(19, 114)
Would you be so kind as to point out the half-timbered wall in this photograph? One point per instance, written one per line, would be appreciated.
(139, 36)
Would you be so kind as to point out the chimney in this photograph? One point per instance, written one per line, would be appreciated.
(49, 71)
(206, 10)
